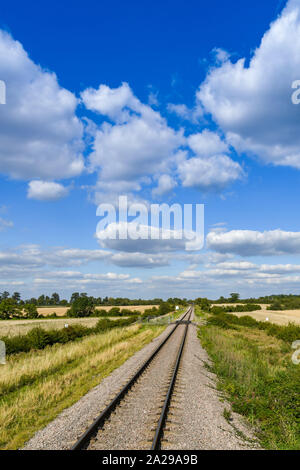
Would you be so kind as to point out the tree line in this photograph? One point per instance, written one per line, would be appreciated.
(81, 305)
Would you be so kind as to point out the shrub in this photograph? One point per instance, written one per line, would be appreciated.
(114, 312)
(221, 321)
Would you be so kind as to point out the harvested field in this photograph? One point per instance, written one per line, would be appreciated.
(60, 311)
(16, 327)
(280, 317)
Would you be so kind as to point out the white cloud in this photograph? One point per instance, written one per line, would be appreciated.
(280, 268)
(165, 184)
(252, 104)
(4, 224)
(254, 243)
(136, 237)
(40, 135)
(214, 173)
(207, 144)
(31, 258)
(220, 55)
(188, 114)
(238, 265)
(140, 260)
(137, 146)
(115, 103)
(46, 190)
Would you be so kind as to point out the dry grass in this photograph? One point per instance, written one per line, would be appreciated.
(16, 327)
(60, 311)
(35, 387)
(283, 317)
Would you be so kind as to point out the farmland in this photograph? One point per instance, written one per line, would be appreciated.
(61, 311)
(282, 317)
(21, 327)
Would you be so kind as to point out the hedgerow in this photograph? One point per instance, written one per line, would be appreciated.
(38, 338)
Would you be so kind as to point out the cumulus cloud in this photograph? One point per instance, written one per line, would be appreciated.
(214, 173)
(40, 135)
(46, 190)
(137, 237)
(207, 144)
(137, 145)
(254, 243)
(254, 109)
(165, 184)
(209, 168)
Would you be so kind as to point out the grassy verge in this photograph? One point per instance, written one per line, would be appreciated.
(36, 386)
(256, 373)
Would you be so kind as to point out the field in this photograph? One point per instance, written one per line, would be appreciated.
(16, 327)
(278, 317)
(36, 386)
(60, 311)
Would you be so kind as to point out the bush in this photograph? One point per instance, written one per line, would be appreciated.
(114, 312)
(221, 321)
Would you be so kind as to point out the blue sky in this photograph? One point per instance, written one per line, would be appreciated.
(176, 102)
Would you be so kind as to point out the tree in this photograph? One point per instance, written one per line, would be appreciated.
(234, 297)
(4, 295)
(203, 303)
(16, 296)
(30, 311)
(82, 307)
(55, 298)
(41, 300)
(74, 296)
(8, 309)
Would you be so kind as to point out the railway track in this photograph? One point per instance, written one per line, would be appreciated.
(135, 418)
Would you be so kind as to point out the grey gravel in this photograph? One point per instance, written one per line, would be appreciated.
(197, 421)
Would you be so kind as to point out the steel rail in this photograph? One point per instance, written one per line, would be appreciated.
(164, 412)
(98, 422)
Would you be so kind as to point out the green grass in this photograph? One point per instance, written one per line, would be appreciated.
(256, 374)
